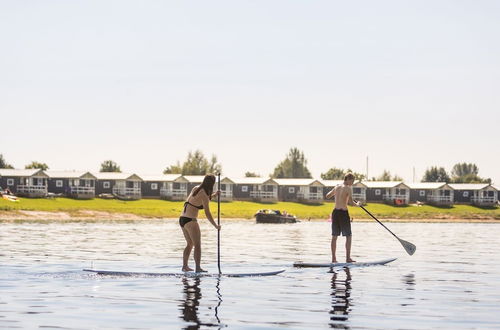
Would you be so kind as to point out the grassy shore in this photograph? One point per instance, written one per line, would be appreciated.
(168, 209)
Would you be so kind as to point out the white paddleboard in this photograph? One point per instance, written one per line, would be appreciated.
(343, 264)
(187, 274)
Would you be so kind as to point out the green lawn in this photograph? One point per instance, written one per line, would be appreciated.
(238, 209)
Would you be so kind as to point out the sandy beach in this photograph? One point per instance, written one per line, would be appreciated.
(90, 215)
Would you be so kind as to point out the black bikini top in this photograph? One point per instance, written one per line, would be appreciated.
(186, 203)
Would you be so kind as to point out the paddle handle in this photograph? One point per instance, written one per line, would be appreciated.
(218, 222)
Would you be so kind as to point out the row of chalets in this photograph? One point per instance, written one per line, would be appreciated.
(131, 186)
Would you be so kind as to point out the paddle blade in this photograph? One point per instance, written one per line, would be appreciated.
(409, 247)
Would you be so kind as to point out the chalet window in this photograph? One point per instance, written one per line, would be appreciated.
(154, 186)
(106, 184)
(291, 190)
(244, 188)
(421, 193)
(466, 194)
(356, 190)
(10, 182)
(268, 188)
(313, 190)
(377, 192)
(176, 185)
(59, 183)
(491, 193)
(222, 187)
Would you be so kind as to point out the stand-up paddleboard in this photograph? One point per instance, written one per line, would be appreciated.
(343, 264)
(186, 274)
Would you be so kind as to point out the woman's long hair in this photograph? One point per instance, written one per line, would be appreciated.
(207, 185)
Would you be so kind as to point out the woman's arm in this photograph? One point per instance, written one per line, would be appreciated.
(206, 206)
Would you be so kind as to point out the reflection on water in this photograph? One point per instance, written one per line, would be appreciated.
(341, 298)
(219, 300)
(191, 303)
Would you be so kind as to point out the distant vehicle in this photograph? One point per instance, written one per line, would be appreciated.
(274, 216)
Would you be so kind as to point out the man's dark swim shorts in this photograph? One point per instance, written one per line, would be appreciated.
(341, 223)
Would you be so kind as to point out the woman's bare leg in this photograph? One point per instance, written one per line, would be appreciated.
(187, 251)
(194, 233)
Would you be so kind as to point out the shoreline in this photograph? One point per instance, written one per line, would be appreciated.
(93, 216)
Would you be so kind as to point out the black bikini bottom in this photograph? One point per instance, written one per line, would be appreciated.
(184, 220)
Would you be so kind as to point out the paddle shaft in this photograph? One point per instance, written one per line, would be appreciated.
(378, 221)
(218, 222)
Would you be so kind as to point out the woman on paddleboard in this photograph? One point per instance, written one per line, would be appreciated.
(198, 199)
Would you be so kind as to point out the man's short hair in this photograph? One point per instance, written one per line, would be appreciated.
(349, 176)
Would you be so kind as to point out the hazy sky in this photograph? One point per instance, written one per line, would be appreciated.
(406, 83)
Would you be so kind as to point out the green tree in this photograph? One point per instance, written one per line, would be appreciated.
(110, 166)
(333, 174)
(3, 163)
(37, 165)
(467, 173)
(251, 175)
(294, 166)
(173, 169)
(214, 166)
(338, 174)
(196, 164)
(397, 178)
(436, 174)
(386, 176)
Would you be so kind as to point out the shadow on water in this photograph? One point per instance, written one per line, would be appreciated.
(191, 303)
(341, 299)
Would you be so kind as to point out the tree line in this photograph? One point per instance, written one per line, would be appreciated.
(294, 165)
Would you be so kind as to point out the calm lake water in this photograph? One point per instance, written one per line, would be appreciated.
(453, 280)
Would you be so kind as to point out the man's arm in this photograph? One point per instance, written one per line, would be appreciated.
(351, 202)
(349, 198)
(331, 193)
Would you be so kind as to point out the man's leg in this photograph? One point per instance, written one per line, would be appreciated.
(348, 242)
(334, 248)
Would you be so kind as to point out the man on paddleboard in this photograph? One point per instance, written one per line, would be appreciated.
(341, 222)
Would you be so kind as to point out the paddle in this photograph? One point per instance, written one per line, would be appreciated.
(218, 222)
(409, 247)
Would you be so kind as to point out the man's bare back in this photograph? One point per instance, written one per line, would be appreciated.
(343, 196)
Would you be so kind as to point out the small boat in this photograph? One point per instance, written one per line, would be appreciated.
(274, 216)
(10, 198)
